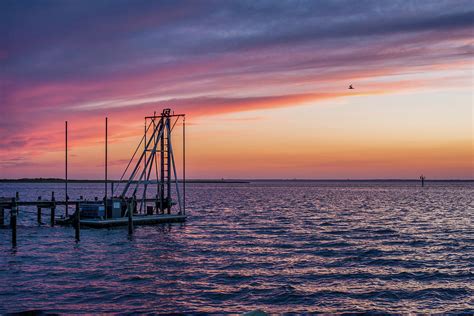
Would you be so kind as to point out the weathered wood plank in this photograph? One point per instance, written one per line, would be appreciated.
(137, 220)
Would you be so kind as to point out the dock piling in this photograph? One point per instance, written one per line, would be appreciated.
(78, 223)
(134, 204)
(53, 208)
(2, 216)
(38, 215)
(13, 214)
(17, 198)
(130, 221)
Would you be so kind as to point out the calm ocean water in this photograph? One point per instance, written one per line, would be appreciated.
(390, 247)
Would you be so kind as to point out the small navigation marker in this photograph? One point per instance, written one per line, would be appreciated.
(422, 178)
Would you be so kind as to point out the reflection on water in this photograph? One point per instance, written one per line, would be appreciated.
(275, 246)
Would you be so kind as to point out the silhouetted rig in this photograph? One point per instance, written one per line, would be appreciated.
(155, 165)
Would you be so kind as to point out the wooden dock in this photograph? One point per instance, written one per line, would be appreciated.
(13, 204)
(123, 221)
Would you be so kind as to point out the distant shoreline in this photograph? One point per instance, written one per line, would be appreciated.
(59, 180)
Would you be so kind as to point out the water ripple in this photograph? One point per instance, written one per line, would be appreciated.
(282, 247)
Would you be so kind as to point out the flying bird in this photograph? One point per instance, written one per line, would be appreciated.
(350, 87)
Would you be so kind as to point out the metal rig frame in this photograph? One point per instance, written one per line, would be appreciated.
(160, 157)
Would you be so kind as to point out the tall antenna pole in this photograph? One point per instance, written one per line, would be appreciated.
(105, 200)
(144, 145)
(184, 165)
(65, 170)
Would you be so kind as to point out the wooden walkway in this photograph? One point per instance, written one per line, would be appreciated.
(123, 221)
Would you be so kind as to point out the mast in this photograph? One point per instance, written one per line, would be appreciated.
(105, 182)
(184, 165)
(65, 170)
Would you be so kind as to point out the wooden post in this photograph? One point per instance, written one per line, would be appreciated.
(38, 216)
(130, 220)
(53, 208)
(17, 198)
(78, 223)
(13, 214)
(134, 204)
(2, 216)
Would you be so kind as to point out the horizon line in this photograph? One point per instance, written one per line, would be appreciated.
(53, 179)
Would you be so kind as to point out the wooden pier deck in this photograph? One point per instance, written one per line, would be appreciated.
(123, 221)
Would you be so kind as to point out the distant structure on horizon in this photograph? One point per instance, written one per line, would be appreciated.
(422, 178)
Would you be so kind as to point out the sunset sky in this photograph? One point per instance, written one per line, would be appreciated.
(264, 85)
